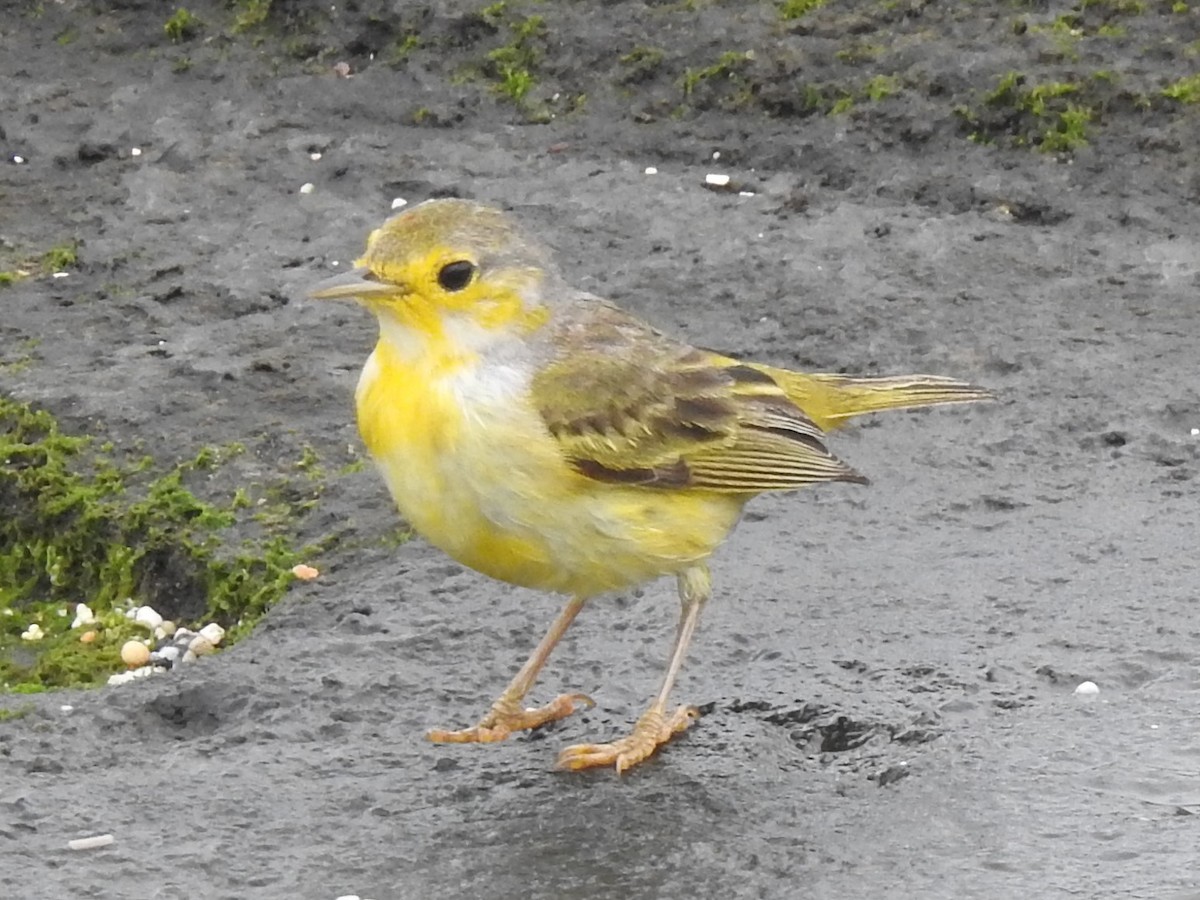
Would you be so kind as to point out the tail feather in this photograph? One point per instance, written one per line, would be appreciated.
(830, 399)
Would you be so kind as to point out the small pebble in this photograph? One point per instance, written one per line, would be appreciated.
(716, 180)
(91, 843)
(314, 156)
(87, 637)
(399, 202)
(200, 646)
(1087, 689)
(305, 573)
(165, 630)
(170, 655)
(148, 616)
(212, 632)
(33, 633)
(83, 615)
(135, 654)
(307, 188)
(651, 170)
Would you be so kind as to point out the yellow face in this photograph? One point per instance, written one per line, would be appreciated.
(445, 263)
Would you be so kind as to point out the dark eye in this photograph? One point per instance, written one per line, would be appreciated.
(456, 275)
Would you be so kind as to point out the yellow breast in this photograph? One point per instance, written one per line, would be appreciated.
(474, 471)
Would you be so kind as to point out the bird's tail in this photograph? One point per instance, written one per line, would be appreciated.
(830, 399)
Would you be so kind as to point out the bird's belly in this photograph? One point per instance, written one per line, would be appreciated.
(488, 485)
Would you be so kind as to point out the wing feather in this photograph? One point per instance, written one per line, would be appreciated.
(630, 406)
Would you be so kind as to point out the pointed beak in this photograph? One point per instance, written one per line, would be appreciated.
(357, 284)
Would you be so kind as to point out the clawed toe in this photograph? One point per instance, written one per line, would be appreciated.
(505, 718)
(650, 733)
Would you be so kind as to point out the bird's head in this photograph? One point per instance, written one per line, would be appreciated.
(449, 270)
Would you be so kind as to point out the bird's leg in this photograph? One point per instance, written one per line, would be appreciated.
(655, 727)
(507, 713)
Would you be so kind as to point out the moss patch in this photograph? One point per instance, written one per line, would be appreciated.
(86, 525)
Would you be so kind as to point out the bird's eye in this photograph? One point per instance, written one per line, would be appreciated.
(456, 275)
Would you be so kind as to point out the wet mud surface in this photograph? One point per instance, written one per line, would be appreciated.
(886, 673)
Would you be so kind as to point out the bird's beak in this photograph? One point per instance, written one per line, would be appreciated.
(357, 284)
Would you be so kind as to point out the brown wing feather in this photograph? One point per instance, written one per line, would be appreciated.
(629, 406)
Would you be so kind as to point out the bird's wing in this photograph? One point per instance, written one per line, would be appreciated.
(629, 406)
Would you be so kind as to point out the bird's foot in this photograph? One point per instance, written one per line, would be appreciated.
(651, 732)
(507, 716)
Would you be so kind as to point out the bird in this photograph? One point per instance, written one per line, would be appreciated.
(543, 436)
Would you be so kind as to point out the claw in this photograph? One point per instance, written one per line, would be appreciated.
(505, 718)
(650, 733)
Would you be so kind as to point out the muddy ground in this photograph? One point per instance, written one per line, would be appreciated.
(887, 673)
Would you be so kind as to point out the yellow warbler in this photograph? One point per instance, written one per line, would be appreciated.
(544, 437)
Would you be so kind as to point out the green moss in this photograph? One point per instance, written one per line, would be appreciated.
(249, 13)
(1039, 115)
(1069, 131)
(63, 256)
(790, 10)
(1185, 90)
(727, 69)
(17, 712)
(182, 26)
(641, 64)
(402, 48)
(512, 66)
(82, 524)
(842, 105)
(881, 87)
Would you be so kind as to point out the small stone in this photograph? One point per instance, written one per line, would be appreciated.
(716, 180)
(200, 646)
(83, 615)
(188, 656)
(1087, 689)
(165, 630)
(212, 632)
(135, 151)
(398, 202)
(651, 170)
(169, 655)
(305, 573)
(307, 188)
(91, 843)
(33, 633)
(314, 156)
(120, 678)
(148, 616)
(135, 654)
(87, 637)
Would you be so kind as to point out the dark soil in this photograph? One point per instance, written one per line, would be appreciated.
(887, 673)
